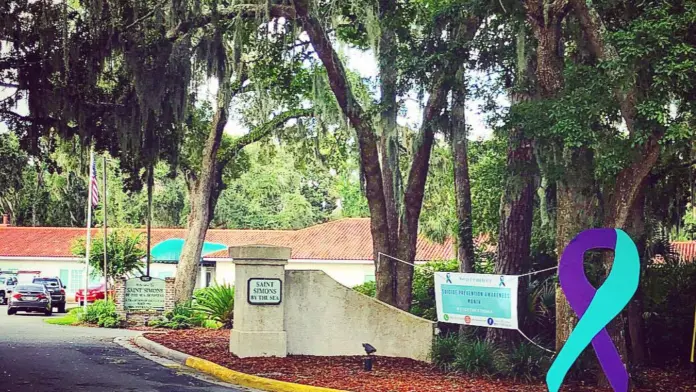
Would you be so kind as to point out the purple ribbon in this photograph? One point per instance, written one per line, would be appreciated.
(580, 293)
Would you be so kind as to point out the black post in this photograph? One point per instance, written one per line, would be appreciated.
(149, 215)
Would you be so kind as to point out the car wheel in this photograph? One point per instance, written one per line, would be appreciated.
(61, 308)
(82, 303)
(11, 311)
(48, 312)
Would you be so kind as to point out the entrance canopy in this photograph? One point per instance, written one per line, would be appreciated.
(170, 250)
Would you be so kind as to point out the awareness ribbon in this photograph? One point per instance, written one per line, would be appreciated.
(596, 307)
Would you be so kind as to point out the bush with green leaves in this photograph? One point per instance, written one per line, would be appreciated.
(423, 304)
(183, 316)
(478, 357)
(669, 298)
(216, 302)
(101, 313)
(475, 356)
(367, 288)
(525, 362)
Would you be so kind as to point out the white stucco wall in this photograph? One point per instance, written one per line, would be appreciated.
(323, 317)
(70, 270)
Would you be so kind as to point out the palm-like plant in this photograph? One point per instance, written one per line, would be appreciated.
(124, 253)
(216, 301)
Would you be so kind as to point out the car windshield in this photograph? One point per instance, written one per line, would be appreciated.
(47, 282)
(95, 286)
(30, 287)
(2, 280)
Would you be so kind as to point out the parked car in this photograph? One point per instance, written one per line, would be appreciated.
(30, 298)
(7, 283)
(57, 290)
(94, 292)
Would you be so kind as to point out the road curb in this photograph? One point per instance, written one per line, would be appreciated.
(224, 374)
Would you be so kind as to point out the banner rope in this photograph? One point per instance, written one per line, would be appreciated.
(534, 343)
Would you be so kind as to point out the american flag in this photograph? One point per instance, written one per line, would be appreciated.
(94, 184)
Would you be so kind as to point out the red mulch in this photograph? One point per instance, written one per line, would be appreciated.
(389, 374)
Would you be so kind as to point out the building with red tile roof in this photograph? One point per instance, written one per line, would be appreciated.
(342, 248)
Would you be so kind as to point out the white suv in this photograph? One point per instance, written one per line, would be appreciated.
(7, 284)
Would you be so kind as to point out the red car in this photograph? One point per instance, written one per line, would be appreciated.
(94, 292)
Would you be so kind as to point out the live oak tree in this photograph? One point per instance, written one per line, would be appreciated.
(606, 93)
(394, 206)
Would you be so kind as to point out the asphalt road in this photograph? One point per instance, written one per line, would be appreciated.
(37, 357)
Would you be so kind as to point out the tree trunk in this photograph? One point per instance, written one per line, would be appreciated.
(367, 146)
(636, 229)
(201, 191)
(621, 203)
(517, 204)
(462, 187)
(578, 206)
(389, 143)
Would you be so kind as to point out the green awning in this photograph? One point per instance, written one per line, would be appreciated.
(170, 250)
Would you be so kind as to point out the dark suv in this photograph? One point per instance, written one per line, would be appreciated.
(56, 289)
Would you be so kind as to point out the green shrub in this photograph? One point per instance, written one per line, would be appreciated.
(526, 362)
(470, 356)
(183, 316)
(477, 357)
(367, 288)
(99, 309)
(217, 303)
(444, 351)
(669, 298)
(423, 304)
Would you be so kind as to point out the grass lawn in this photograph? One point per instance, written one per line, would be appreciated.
(72, 318)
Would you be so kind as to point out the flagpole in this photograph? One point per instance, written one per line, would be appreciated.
(88, 243)
(106, 274)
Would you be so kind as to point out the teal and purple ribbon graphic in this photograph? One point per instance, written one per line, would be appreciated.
(596, 307)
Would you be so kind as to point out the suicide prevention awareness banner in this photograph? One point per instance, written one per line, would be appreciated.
(477, 299)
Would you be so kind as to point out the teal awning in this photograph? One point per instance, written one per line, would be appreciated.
(170, 250)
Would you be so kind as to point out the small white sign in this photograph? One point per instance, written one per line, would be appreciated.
(263, 291)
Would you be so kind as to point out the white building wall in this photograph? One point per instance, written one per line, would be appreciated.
(347, 272)
(69, 271)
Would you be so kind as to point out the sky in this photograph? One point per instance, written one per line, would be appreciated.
(363, 62)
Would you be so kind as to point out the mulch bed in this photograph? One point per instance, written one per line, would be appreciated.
(388, 375)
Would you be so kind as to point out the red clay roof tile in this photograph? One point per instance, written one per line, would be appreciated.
(344, 239)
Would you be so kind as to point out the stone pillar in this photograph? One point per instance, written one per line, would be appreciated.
(120, 296)
(259, 320)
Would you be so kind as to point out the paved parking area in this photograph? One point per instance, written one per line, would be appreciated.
(37, 357)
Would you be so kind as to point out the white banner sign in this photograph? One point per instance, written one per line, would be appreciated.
(477, 299)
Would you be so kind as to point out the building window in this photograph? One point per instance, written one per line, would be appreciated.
(369, 278)
(77, 280)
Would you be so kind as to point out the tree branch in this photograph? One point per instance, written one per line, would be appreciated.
(39, 121)
(593, 28)
(149, 14)
(262, 131)
(248, 11)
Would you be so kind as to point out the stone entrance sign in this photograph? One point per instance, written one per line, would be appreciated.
(144, 294)
(259, 331)
(262, 291)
